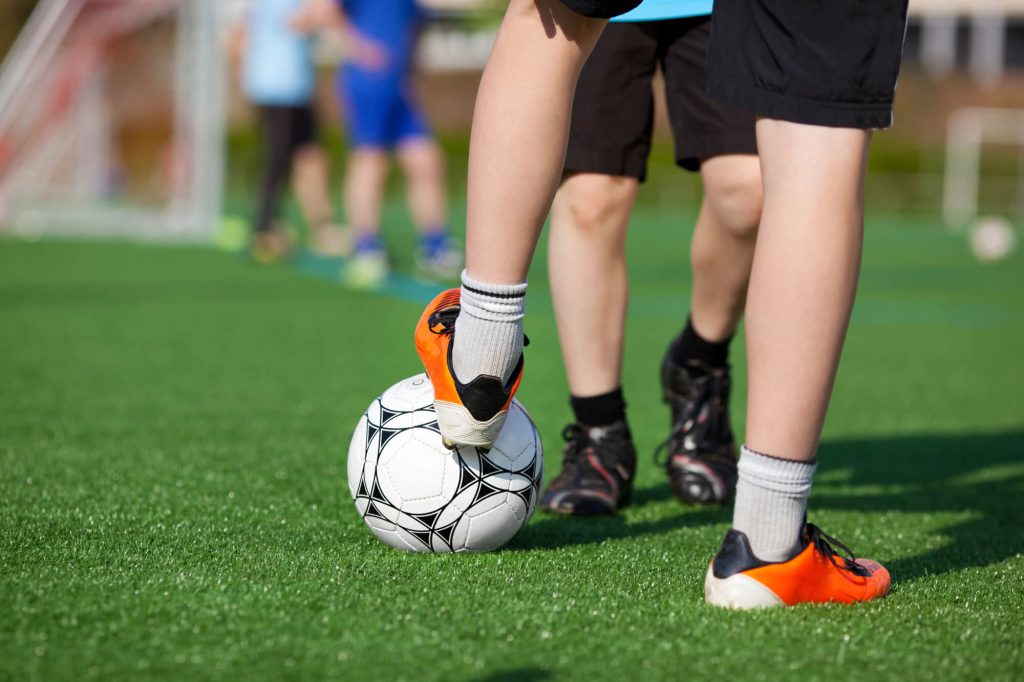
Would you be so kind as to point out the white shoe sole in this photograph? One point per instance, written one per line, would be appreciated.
(738, 592)
(459, 428)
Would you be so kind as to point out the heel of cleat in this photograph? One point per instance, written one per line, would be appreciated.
(459, 428)
(738, 591)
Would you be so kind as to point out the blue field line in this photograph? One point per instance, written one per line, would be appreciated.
(396, 285)
(870, 309)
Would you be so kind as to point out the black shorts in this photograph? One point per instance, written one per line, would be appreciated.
(289, 127)
(820, 62)
(613, 112)
(601, 9)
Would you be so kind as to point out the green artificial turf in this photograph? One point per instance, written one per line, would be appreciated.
(173, 503)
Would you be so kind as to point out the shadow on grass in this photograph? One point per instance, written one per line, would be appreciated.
(981, 474)
(652, 494)
(553, 532)
(516, 675)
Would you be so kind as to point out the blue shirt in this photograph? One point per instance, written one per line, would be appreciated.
(392, 23)
(278, 67)
(658, 10)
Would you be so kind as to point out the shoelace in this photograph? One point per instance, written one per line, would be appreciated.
(577, 441)
(832, 549)
(443, 322)
(711, 391)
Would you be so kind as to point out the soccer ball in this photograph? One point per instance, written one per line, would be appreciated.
(417, 495)
(992, 238)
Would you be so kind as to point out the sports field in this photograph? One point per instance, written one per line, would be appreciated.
(173, 503)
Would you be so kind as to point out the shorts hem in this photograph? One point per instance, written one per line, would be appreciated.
(707, 146)
(606, 163)
(413, 137)
(799, 109)
(601, 9)
(388, 144)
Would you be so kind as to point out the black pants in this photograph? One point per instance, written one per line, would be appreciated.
(285, 131)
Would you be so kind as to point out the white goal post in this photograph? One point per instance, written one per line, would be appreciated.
(967, 131)
(112, 121)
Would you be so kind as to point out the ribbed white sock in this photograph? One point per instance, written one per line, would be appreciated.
(771, 503)
(489, 331)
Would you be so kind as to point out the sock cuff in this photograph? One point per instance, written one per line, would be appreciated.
(492, 302)
(599, 410)
(690, 345)
(690, 329)
(479, 288)
(787, 477)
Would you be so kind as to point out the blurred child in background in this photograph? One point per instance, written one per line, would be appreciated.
(384, 120)
(279, 77)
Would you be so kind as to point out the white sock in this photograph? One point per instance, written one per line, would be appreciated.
(489, 330)
(771, 503)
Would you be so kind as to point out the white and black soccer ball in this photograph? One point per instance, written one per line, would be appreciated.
(417, 495)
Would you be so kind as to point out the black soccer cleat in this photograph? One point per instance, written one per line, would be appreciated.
(598, 466)
(701, 461)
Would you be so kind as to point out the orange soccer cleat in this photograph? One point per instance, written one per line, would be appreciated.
(739, 580)
(467, 414)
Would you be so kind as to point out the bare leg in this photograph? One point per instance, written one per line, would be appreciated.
(422, 162)
(520, 127)
(589, 282)
(803, 281)
(310, 183)
(364, 189)
(722, 249)
(517, 152)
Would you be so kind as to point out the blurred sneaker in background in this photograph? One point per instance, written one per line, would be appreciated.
(367, 267)
(270, 246)
(440, 256)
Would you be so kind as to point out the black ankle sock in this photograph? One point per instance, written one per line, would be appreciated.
(690, 346)
(599, 410)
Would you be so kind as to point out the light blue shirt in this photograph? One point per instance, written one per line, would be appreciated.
(278, 68)
(658, 10)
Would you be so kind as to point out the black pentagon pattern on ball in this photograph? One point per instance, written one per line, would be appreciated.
(376, 499)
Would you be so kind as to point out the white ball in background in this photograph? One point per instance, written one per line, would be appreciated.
(992, 238)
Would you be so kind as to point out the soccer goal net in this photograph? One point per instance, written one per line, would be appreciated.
(111, 121)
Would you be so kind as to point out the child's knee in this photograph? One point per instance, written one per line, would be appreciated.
(308, 158)
(737, 199)
(593, 204)
(422, 160)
